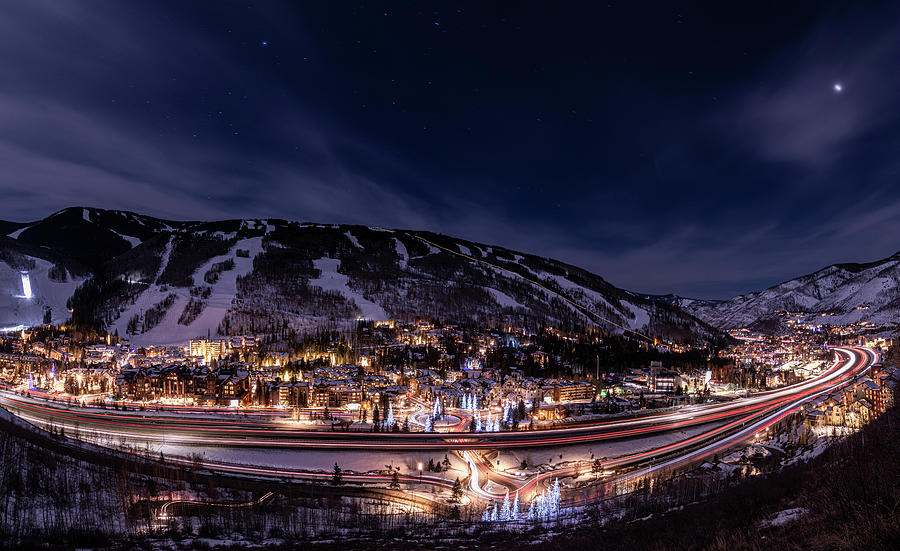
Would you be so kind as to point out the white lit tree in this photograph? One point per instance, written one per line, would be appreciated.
(389, 418)
(505, 508)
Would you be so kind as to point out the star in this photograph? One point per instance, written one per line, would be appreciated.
(264, 43)
(838, 87)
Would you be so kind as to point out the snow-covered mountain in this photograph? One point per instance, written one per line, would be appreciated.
(162, 281)
(846, 293)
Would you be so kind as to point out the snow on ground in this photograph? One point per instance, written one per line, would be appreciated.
(828, 431)
(577, 291)
(512, 459)
(133, 240)
(164, 260)
(401, 250)
(17, 233)
(86, 214)
(641, 317)
(504, 300)
(169, 331)
(323, 460)
(518, 259)
(353, 239)
(739, 456)
(222, 235)
(463, 249)
(331, 280)
(822, 438)
(784, 517)
(15, 310)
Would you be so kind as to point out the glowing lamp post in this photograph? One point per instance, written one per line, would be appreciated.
(419, 468)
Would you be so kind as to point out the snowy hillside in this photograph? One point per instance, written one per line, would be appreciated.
(159, 281)
(16, 309)
(846, 293)
(175, 327)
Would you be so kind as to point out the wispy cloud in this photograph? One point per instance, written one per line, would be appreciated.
(131, 106)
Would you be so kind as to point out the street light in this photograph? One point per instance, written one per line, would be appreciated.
(419, 467)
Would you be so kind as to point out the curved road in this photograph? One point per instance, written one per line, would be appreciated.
(226, 430)
(735, 423)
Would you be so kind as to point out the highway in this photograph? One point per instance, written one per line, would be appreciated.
(730, 425)
(231, 430)
(690, 451)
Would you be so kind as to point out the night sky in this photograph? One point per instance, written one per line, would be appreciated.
(702, 150)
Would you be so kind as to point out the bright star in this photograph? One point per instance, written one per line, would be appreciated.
(264, 43)
(838, 87)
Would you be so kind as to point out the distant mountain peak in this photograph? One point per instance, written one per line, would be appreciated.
(846, 293)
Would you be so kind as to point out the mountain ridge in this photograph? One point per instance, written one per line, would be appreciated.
(841, 293)
(161, 280)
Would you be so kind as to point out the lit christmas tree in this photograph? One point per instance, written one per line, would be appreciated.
(436, 411)
(505, 509)
(389, 418)
(555, 498)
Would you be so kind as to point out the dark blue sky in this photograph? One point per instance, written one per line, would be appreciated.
(698, 149)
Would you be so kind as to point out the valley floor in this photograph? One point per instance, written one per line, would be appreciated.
(848, 497)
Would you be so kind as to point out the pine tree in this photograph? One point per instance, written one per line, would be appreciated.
(337, 477)
(458, 492)
(395, 480)
(514, 514)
